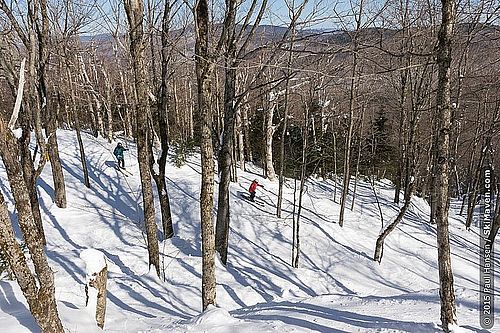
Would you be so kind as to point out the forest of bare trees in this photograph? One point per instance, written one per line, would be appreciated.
(403, 90)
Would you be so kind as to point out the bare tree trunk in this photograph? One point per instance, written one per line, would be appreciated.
(55, 162)
(34, 94)
(162, 117)
(402, 154)
(474, 190)
(216, 101)
(447, 294)
(83, 158)
(92, 116)
(99, 282)
(234, 150)
(360, 141)
(98, 104)
(30, 177)
(352, 101)
(240, 139)
(29, 172)
(95, 115)
(51, 121)
(203, 73)
(268, 148)
(107, 105)
(282, 155)
(190, 109)
(404, 76)
(127, 126)
(433, 176)
(334, 164)
(296, 221)
(347, 153)
(225, 153)
(471, 163)
(134, 10)
(379, 247)
(246, 131)
(38, 288)
(98, 116)
(284, 126)
(76, 121)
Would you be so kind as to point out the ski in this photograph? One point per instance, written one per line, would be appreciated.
(126, 171)
(122, 171)
(256, 201)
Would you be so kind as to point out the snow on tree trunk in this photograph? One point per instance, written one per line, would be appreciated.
(95, 288)
(38, 285)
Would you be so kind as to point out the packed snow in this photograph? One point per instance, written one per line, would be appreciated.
(337, 288)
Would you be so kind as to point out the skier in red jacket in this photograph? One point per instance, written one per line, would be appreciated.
(253, 188)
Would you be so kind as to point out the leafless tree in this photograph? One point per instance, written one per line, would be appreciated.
(443, 105)
(134, 10)
(38, 286)
(204, 69)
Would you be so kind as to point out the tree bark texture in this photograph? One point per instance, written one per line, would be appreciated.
(225, 153)
(284, 129)
(443, 104)
(379, 246)
(203, 74)
(347, 149)
(37, 287)
(99, 282)
(55, 162)
(269, 132)
(303, 167)
(51, 117)
(30, 177)
(163, 129)
(107, 106)
(76, 124)
(134, 10)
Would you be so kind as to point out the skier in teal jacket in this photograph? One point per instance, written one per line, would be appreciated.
(118, 152)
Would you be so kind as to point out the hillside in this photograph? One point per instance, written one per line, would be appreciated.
(338, 287)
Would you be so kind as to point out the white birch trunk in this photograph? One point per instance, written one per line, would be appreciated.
(270, 128)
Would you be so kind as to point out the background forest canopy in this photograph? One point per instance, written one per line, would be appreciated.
(363, 70)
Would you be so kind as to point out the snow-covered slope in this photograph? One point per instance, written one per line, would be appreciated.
(338, 287)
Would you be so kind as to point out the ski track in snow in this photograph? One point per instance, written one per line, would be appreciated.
(338, 287)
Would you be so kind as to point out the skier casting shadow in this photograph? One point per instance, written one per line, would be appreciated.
(253, 189)
(118, 152)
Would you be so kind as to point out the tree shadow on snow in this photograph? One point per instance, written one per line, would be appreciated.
(9, 304)
(328, 316)
(122, 206)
